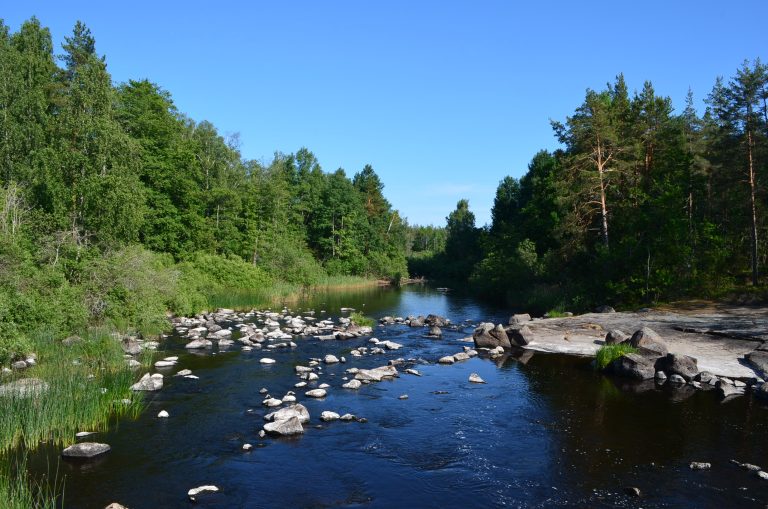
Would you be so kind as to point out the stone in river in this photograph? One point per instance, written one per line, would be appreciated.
(698, 465)
(299, 411)
(267, 360)
(194, 492)
(291, 426)
(475, 379)
(448, 359)
(352, 384)
(163, 414)
(272, 402)
(85, 450)
(149, 383)
(328, 416)
(199, 344)
(330, 359)
(316, 393)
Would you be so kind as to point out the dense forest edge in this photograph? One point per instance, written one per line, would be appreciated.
(640, 206)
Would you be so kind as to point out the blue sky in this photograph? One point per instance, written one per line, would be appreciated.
(442, 98)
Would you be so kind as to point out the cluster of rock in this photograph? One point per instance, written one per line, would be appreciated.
(652, 360)
(261, 329)
(20, 362)
(434, 323)
(490, 336)
(467, 354)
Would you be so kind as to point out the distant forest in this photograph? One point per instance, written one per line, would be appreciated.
(642, 204)
(115, 207)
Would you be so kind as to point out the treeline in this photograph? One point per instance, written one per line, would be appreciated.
(642, 204)
(94, 174)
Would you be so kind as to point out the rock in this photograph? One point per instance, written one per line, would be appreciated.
(164, 364)
(676, 379)
(758, 359)
(194, 492)
(761, 391)
(412, 371)
(352, 384)
(302, 369)
(519, 318)
(347, 417)
(149, 383)
(263, 390)
(163, 414)
(403, 396)
(435, 332)
(85, 450)
(199, 344)
(727, 390)
(648, 342)
(604, 309)
(461, 356)
(19, 365)
(82, 434)
(330, 359)
(184, 372)
(615, 336)
(448, 359)
(267, 360)
(247, 447)
(762, 475)
(130, 346)
(390, 345)
(24, 388)
(272, 402)
(520, 336)
(634, 366)
(696, 465)
(677, 364)
(328, 416)
(704, 377)
(323, 386)
(115, 505)
(661, 376)
(475, 379)
(416, 322)
(286, 427)
(632, 491)
(316, 393)
(487, 335)
(436, 321)
(376, 374)
(299, 411)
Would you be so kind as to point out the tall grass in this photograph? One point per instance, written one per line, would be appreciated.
(608, 353)
(87, 383)
(360, 319)
(18, 491)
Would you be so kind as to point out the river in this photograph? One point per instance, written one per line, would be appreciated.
(544, 431)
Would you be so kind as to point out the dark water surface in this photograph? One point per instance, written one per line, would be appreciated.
(545, 431)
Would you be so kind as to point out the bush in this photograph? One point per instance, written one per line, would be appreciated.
(13, 345)
(608, 353)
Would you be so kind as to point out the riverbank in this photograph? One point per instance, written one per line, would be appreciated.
(719, 337)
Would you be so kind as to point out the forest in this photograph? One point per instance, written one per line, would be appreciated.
(642, 204)
(116, 207)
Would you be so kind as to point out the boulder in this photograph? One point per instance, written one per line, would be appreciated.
(352, 384)
(194, 492)
(677, 364)
(648, 343)
(604, 309)
(130, 346)
(199, 344)
(461, 356)
(436, 321)
(519, 318)
(330, 359)
(286, 427)
(520, 336)
(149, 383)
(726, 390)
(634, 366)
(266, 360)
(435, 331)
(448, 359)
(761, 390)
(487, 335)
(475, 379)
(316, 393)
(758, 359)
(615, 336)
(376, 374)
(328, 416)
(699, 465)
(19, 365)
(299, 411)
(417, 321)
(85, 450)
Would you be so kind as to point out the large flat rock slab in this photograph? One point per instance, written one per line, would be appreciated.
(85, 450)
(718, 338)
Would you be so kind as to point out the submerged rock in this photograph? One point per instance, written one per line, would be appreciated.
(85, 450)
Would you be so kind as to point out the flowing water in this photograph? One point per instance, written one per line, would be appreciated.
(545, 431)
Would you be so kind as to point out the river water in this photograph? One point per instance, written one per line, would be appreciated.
(545, 431)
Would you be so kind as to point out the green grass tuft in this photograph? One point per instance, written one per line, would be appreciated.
(360, 319)
(608, 353)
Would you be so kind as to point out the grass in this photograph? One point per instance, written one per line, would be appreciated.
(17, 491)
(88, 382)
(360, 319)
(280, 293)
(608, 353)
(555, 313)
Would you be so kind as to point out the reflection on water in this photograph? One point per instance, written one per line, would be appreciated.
(545, 431)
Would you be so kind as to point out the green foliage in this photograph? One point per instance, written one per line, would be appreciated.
(360, 319)
(13, 345)
(608, 353)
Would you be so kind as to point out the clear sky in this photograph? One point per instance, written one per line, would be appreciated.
(443, 98)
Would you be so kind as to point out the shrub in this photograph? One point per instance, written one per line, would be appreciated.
(608, 353)
(13, 344)
(360, 319)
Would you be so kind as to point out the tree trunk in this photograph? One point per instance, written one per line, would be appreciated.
(752, 186)
(601, 162)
